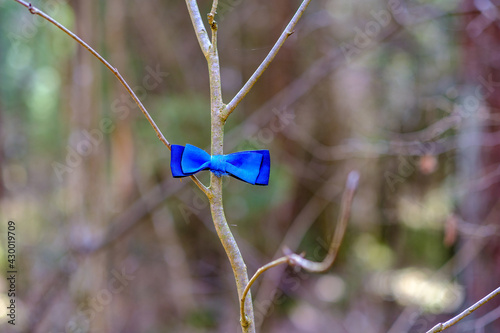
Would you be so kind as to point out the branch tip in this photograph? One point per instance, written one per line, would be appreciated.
(213, 11)
(269, 58)
(196, 20)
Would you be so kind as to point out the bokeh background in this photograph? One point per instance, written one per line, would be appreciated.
(405, 92)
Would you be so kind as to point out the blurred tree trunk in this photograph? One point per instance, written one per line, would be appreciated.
(121, 180)
(86, 182)
(122, 143)
(481, 71)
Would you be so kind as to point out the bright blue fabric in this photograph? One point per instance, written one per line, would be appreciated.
(251, 166)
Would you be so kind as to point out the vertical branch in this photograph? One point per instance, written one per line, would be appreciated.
(217, 148)
(216, 203)
(213, 11)
(199, 28)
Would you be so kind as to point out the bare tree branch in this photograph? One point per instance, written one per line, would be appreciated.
(265, 63)
(299, 260)
(211, 15)
(345, 211)
(260, 271)
(36, 11)
(217, 143)
(442, 326)
(199, 27)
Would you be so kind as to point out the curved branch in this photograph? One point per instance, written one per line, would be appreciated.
(345, 211)
(293, 259)
(260, 271)
(265, 63)
(35, 11)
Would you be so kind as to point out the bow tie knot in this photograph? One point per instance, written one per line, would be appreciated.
(218, 165)
(251, 166)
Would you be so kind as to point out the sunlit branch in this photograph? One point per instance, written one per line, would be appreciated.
(442, 326)
(199, 27)
(263, 66)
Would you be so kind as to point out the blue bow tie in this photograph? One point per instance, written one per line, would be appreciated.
(251, 166)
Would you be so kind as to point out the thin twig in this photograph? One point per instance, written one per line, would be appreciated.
(454, 266)
(213, 27)
(213, 11)
(299, 260)
(442, 326)
(323, 67)
(199, 28)
(265, 63)
(277, 262)
(302, 222)
(35, 11)
(345, 211)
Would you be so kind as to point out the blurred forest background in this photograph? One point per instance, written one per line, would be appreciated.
(406, 92)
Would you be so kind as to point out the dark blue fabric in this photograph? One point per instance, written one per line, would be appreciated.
(251, 166)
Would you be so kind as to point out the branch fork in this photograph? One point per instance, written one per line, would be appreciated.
(220, 113)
